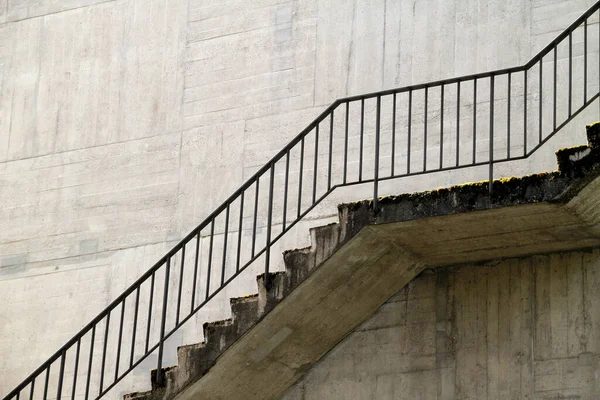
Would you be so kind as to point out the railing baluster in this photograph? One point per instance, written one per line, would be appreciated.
(269, 226)
(225, 236)
(474, 120)
(330, 152)
(61, 375)
(135, 319)
(255, 216)
(458, 124)
(150, 310)
(32, 390)
(541, 101)
(570, 73)
(442, 129)
(197, 261)
(585, 57)
(508, 115)
(300, 173)
(120, 339)
(285, 190)
(181, 271)
(163, 321)
(316, 161)
(103, 364)
(491, 167)
(425, 130)
(554, 90)
(346, 142)
(46, 382)
(210, 251)
(76, 369)
(362, 131)
(393, 134)
(409, 132)
(376, 171)
(239, 242)
(89, 371)
(524, 112)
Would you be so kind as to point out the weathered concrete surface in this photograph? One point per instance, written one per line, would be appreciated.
(353, 268)
(522, 328)
(530, 215)
(313, 318)
(124, 122)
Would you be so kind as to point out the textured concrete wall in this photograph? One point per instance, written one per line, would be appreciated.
(123, 123)
(516, 329)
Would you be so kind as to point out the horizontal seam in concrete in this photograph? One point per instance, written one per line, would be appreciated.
(9, 21)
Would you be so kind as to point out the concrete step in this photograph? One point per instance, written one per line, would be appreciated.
(354, 266)
(195, 360)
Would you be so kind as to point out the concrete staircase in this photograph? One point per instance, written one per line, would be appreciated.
(326, 290)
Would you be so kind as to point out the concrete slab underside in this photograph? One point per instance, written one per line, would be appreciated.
(374, 265)
(339, 295)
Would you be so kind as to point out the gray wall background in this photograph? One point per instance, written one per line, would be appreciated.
(515, 329)
(123, 123)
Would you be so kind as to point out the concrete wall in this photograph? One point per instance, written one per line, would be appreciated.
(123, 123)
(516, 329)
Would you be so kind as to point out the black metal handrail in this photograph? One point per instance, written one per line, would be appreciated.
(290, 165)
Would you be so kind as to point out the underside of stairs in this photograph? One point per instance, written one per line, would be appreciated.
(326, 290)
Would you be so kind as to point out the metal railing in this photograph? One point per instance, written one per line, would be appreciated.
(396, 133)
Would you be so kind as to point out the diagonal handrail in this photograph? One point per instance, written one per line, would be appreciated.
(294, 160)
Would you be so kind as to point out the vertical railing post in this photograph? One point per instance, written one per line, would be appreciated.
(103, 363)
(442, 128)
(91, 358)
(316, 165)
(76, 369)
(329, 166)
(300, 173)
(362, 138)
(346, 142)
(120, 340)
(570, 102)
(285, 190)
(32, 390)
(267, 282)
(223, 262)
(239, 241)
(474, 120)
(491, 171)
(425, 129)
(458, 123)
(46, 381)
(541, 97)
(585, 62)
(161, 343)
(554, 88)
(525, 112)
(134, 330)
(61, 375)
(409, 128)
(376, 171)
(508, 115)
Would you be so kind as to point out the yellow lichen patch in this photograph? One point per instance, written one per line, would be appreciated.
(580, 147)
